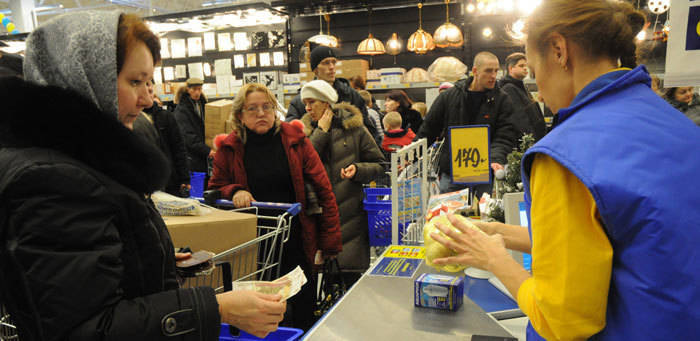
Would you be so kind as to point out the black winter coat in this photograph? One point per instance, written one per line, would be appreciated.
(410, 119)
(450, 109)
(84, 254)
(346, 93)
(192, 127)
(527, 116)
(172, 144)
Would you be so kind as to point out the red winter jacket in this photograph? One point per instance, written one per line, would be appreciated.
(397, 138)
(317, 234)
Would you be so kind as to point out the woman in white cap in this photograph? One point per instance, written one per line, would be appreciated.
(351, 158)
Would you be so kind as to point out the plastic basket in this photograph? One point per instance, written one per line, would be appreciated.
(281, 334)
(197, 183)
(378, 215)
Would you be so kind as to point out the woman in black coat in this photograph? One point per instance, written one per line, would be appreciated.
(85, 255)
(398, 101)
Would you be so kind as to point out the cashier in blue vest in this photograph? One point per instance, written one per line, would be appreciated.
(613, 191)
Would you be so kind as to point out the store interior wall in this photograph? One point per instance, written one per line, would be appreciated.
(352, 28)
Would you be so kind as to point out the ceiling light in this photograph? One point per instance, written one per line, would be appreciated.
(393, 45)
(658, 6)
(322, 38)
(487, 33)
(515, 30)
(528, 6)
(420, 41)
(448, 34)
(642, 35)
(471, 8)
(371, 46)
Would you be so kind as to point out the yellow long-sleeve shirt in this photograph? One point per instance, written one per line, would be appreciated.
(566, 297)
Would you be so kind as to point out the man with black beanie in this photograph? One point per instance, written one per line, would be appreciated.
(323, 62)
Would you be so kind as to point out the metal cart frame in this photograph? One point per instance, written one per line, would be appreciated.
(256, 259)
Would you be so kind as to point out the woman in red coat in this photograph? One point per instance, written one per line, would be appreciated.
(264, 159)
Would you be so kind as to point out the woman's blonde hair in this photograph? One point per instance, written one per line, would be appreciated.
(601, 28)
(420, 107)
(239, 102)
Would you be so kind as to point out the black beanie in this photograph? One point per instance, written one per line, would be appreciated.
(320, 53)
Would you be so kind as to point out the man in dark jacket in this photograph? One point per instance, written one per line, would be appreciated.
(160, 127)
(475, 100)
(323, 62)
(527, 116)
(190, 117)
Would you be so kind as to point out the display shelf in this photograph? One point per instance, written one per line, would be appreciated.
(422, 85)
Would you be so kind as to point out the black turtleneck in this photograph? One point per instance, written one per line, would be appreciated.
(267, 167)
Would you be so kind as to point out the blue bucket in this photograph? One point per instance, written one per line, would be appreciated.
(281, 334)
(197, 183)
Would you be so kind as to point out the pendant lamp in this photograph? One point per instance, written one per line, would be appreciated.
(324, 39)
(371, 46)
(448, 34)
(420, 41)
(393, 45)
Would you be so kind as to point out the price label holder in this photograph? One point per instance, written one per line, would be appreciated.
(469, 151)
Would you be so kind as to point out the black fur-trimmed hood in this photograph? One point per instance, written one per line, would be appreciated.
(60, 119)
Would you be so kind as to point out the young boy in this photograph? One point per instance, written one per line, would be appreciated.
(394, 136)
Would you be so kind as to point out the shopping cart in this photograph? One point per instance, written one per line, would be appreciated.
(257, 259)
(8, 331)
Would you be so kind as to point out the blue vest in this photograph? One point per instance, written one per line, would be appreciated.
(640, 159)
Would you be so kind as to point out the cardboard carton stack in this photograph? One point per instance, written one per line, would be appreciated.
(216, 115)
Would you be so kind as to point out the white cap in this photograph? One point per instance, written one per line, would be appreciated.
(319, 90)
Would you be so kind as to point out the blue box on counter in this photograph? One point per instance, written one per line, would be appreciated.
(438, 291)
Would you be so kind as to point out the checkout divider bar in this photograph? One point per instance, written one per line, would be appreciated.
(292, 209)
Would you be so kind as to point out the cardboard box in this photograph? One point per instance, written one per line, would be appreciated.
(305, 67)
(218, 232)
(352, 67)
(438, 291)
(216, 115)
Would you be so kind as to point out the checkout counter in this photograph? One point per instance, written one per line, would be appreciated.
(380, 306)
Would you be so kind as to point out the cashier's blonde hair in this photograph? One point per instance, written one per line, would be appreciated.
(239, 103)
(601, 28)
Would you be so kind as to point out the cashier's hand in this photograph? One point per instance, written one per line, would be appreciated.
(348, 172)
(496, 166)
(489, 228)
(256, 313)
(242, 199)
(473, 248)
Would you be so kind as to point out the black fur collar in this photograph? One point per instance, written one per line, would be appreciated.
(60, 119)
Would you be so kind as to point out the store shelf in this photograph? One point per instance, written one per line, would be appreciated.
(403, 86)
(423, 85)
(169, 97)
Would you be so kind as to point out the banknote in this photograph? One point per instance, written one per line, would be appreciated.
(286, 286)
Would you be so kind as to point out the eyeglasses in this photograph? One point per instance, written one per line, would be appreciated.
(266, 108)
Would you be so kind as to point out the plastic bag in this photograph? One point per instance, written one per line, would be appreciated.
(447, 69)
(416, 75)
(170, 205)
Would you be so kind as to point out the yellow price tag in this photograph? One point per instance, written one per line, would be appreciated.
(469, 146)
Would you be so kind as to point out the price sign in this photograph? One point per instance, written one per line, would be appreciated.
(469, 151)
